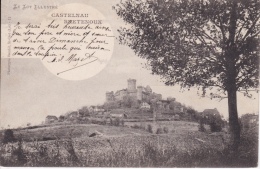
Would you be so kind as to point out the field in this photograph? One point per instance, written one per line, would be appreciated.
(73, 131)
(71, 145)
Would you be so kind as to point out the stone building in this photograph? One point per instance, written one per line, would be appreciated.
(139, 93)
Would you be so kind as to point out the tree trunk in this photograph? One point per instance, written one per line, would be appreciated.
(231, 80)
(233, 118)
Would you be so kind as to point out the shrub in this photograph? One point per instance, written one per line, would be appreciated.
(117, 122)
(20, 153)
(159, 131)
(150, 128)
(104, 122)
(122, 122)
(201, 126)
(135, 126)
(8, 136)
(111, 121)
(48, 138)
(215, 126)
(165, 130)
(71, 150)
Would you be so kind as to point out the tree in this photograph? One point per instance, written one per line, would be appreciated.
(83, 112)
(8, 136)
(111, 105)
(206, 43)
(61, 118)
(192, 113)
(129, 101)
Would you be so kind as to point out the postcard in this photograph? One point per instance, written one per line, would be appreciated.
(129, 83)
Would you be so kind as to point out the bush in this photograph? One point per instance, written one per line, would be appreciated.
(8, 136)
(150, 128)
(159, 131)
(122, 122)
(104, 122)
(117, 122)
(165, 130)
(19, 153)
(136, 126)
(201, 126)
(215, 126)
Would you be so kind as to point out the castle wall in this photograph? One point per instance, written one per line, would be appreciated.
(139, 93)
(133, 94)
(120, 94)
(109, 96)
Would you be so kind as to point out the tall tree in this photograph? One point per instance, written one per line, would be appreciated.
(207, 43)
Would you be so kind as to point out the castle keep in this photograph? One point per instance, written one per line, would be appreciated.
(139, 93)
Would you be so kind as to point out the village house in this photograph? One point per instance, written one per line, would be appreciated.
(96, 109)
(145, 105)
(51, 119)
(207, 113)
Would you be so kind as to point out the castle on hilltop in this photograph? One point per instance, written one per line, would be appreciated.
(139, 93)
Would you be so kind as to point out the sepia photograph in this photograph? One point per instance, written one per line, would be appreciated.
(130, 83)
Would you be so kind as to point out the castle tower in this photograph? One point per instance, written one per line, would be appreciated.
(131, 85)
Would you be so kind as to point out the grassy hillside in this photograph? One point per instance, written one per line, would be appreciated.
(182, 146)
(54, 132)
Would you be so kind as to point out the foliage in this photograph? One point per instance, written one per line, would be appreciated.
(215, 126)
(136, 151)
(188, 42)
(71, 150)
(201, 126)
(214, 121)
(116, 122)
(176, 107)
(122, 122)
(111, 121)
(165, 130)
(193, 114)
(249, 121)
(83, 112)
(129, 101)
(197, 43)
(9, 136)
(61, 118)
(111, 105)
(96, 121)
(159, 130)
(136, 126)
(149, 128)
(104, 122)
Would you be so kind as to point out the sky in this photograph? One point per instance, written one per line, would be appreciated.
(31, 92)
